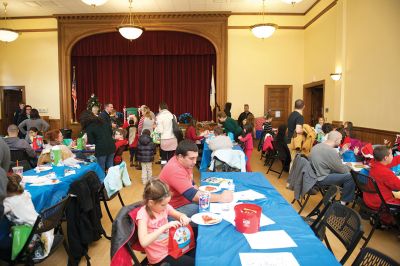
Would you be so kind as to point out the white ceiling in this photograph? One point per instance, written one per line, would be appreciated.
(20, 8)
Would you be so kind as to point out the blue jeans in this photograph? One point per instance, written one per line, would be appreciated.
(105, 161)
(343, 180)
(189, 209)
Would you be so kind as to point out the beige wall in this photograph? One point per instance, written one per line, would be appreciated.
(372, 89)
(319, 59)
(253, 63)
(32, 61)
(342, 39)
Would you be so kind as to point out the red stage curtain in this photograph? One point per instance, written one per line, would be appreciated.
(173, 67)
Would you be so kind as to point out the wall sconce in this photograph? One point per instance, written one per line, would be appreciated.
(336, 76)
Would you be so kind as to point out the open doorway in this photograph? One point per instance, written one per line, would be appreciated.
(278, 102)
(10, 97)
(313, 96)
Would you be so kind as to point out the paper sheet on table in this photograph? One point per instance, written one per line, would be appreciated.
(229, 216)
(247, 195)
(222, 207)
(270, 240)
(72, 162)
(48, 182)
(268, 259)
(69, 172)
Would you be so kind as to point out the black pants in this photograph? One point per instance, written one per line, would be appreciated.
(185, 260)
(166, 155)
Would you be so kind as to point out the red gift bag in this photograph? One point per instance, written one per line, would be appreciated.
(181, 240)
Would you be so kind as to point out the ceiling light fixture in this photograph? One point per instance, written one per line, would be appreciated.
(130, 31)
(7, 35)
(293, 2)
(94, 3)
(336, 76)
(263, 30)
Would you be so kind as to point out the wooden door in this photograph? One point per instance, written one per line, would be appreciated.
(314, 102)
(278, 102)
(10, 98)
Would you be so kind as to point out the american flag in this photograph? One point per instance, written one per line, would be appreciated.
(73, 92)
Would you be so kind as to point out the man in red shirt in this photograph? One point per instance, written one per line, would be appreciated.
(178, 174)
(385, 178)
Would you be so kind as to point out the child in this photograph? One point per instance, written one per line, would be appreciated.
(153, 225)
(18, 206)
(318, 127)
(145, 155)
(19, 209)
(247, 139)
(132, 138)
(120, 143)
(32, 133)
(385, 178)
(267, 126)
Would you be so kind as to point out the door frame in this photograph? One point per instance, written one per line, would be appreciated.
(290, 95)
(306, 99)
(2, 89)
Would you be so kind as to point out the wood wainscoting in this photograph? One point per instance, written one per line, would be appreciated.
(371, 135)
(55, 123)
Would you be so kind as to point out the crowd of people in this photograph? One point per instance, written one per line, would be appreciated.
(174, 193)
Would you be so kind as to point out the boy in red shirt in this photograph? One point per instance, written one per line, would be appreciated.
(385, 178)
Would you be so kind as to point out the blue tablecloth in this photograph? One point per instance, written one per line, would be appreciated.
(221, 244)
(46, 196)
(206, 156)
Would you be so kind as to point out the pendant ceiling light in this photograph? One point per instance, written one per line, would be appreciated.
(94, 3)
(293, 2)
(263, 30)
(130, 31)
(7, 35)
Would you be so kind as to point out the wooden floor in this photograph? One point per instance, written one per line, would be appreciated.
(385, 241)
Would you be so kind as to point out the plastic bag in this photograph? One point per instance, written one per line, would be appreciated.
(20, 234)
(156, 137)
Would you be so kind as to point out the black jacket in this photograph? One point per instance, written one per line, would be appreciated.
(105, 117)
(83, 216)
(100, 134)
(145, 149)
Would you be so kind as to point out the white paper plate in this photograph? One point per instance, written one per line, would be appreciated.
(198, 218)
(209, 188)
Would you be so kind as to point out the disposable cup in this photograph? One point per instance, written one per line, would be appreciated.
(18, 170)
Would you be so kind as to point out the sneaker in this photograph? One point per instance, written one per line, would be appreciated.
(158, 162)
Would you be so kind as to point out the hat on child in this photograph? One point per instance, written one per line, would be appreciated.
(367, 151)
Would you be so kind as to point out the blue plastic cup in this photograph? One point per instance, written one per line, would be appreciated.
(59, 170)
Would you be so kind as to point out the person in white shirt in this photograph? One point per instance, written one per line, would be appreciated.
(220, 141)
(18, 206)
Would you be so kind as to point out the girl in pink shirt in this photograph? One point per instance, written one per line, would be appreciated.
(247, 139)
(153, 225)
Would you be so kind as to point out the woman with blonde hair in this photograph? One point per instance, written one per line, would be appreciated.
(146, 120)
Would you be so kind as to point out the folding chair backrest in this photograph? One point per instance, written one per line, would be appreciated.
(321, 208)
(18, 155)
(52, 216)
(345, 224)
(367, 184)
(372, 257)
(221, 166)
(281, 149)
(48, 219)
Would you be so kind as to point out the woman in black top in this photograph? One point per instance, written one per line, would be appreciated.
(99, 133)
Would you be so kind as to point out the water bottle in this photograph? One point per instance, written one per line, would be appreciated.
(204, 202)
